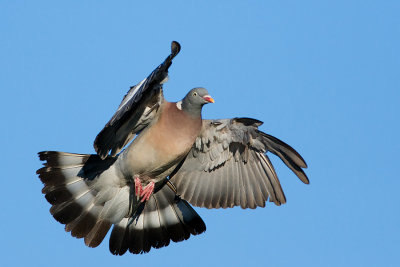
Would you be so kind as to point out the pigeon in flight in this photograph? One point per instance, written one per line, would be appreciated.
(174, 158)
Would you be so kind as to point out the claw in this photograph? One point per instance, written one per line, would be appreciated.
(147, 191)
(143, 194)
(138, 188)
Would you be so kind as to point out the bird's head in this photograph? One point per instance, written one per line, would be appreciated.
(195, 99)
(199, 96)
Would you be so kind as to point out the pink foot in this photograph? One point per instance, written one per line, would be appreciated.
(138, 187)
(147, 191)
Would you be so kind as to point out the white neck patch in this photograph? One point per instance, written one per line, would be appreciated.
(179, 105)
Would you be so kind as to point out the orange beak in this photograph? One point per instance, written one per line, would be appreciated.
(208, 99)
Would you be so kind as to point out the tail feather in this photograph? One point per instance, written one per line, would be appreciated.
(192, 221)
(164, 217)
(97, 234)
(70, 186)
(66, 212)
(119, 238)
(55, 176)
(117, 207)
(62, 159)
(136, 236)
(82, 225)
(77, 192)
(88, 196)
(169, 217)
(153, 231)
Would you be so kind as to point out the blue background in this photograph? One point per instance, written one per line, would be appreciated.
(324, 77)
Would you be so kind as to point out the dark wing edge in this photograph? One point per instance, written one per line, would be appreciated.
(287, 154)
(137, 109)
(228, 166)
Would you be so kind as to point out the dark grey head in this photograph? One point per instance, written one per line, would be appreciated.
(195, 99)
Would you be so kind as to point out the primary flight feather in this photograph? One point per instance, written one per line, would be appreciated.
(175, 158)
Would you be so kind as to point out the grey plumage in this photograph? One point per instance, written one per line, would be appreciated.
(165, 217)
(89, 207)
(174, 157)
(194, 100)
(235, 148)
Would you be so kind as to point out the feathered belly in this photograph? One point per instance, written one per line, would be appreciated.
(161, 147)
(157, 153)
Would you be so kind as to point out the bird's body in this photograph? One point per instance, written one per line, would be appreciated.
(156, 152)
(175, 157)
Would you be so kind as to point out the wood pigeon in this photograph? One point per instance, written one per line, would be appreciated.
(175, 158)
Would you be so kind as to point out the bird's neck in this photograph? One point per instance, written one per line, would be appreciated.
(190, 109)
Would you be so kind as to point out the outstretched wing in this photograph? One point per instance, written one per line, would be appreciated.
(228, 166)
(138, 108)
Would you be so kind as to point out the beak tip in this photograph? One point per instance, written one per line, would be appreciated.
(209, 99)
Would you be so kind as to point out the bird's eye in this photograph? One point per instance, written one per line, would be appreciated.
(195, 94)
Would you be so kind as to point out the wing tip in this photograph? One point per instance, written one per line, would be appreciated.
(304, 178)
(175, 48)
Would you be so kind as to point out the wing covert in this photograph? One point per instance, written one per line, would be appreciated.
(228, 166)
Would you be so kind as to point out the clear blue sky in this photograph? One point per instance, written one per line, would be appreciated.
(324, 77)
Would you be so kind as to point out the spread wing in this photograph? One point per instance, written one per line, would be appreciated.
(138, 108)
(228, 166)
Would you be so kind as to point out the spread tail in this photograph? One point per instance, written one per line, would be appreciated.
(89, 195)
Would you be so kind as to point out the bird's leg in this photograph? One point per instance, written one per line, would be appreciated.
(138, 187)
(147, 191)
